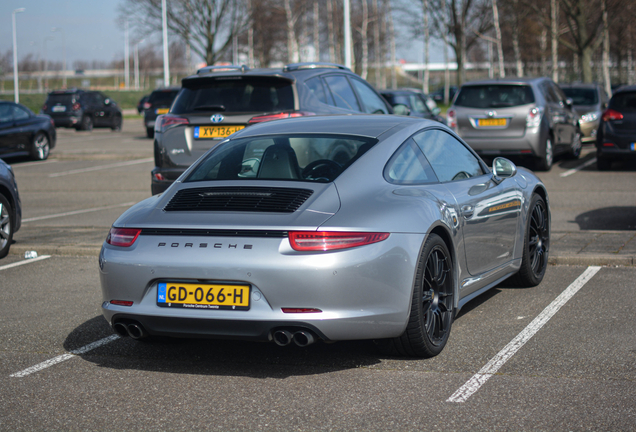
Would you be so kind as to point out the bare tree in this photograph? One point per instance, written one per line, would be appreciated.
(208, 26)
(459, 23)
(495, 16)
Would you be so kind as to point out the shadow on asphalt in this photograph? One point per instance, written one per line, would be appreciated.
(608, 218)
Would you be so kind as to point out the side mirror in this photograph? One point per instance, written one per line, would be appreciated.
(401, 109)
(502, 169)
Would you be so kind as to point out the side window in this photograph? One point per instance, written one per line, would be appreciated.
(19, 113)
(371, 101)
(342, 92)
(450, 159)
(558, 93)
(6, 113)
(409, 166)
(318, 90)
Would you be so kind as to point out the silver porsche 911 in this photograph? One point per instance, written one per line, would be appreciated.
(326, 228)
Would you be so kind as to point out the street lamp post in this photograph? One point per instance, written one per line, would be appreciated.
(126, 59)
(16, 89)
(166, 65)
(56, 29)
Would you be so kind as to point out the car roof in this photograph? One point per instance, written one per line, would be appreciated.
(291, 71)
(580, 85)
(368, 125)
(625, 88)
(165, 89)
(506, 81)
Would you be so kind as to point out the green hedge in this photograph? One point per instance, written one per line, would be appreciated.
(125, 99)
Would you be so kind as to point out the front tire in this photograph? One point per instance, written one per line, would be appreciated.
(117, 124)
(6, 226)
(575, 150)
(536, 244)
(40, 147)
(432, 306)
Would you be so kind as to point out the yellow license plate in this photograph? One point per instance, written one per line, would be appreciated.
(491, 122)
(203, 296)
(202, 132)
(162, 110)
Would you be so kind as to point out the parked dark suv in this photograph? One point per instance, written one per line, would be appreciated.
(220, 100)
(616, 137)
(159, 102)
(517, 117)
(82, 110)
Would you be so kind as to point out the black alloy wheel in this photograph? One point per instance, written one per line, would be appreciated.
(432, 307)
(575, 149)
(544, 163)
(534, 261)
(6, 226)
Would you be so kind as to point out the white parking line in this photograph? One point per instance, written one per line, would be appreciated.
(101, 167)
(26, 261)
(59, 359)
(484, 374)
(578, 168)
(128, 204)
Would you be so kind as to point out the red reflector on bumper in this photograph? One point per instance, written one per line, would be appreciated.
(121, 302)
(300, 310)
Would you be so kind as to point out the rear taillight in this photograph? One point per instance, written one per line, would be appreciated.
(124, 237)
(147, 105)
(166, 121)
(611, 114)
(76, 106)
(451, 120)
(44, 107)
(330, 240)
(533, 119)
(52, 123)
(277, 116)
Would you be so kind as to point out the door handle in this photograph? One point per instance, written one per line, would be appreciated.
(468, 211)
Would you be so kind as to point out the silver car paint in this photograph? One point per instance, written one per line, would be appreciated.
(364, 292)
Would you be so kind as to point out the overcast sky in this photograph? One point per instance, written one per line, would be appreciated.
(90, 30)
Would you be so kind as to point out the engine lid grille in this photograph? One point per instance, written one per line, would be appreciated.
(239, 199)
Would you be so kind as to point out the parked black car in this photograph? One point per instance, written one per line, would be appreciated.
(438, 96)
(10, 208)
(415, 101)
(23, 133)
(159, 102)
(220, 100)
(616, 137)
(82, 110)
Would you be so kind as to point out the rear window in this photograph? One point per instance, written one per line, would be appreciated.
(494, 96)
(624, 101)
(163, 97)
(581, 96)
(307, 157)
(236, 95)
(63, 99)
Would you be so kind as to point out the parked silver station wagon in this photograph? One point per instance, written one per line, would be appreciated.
(517, 117)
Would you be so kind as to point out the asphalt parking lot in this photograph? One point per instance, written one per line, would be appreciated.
(560, 356)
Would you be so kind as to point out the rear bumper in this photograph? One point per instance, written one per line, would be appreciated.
(67, 121)
(532, 141)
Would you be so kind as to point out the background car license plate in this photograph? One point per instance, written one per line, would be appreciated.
(491, 122)
(162, 110)
(203, 296)
(58, 108)
(215, 131)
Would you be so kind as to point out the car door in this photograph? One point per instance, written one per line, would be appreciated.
(22, 132)
(372, 102)
(100, 117)
(7, 136)
(558, 115)
(488, 211)
(342, 92)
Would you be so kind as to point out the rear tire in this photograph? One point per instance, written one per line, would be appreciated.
(536, 243)
(432, 305)
(575, 151)
(40, 147)
(86, 124)
(117, 124)
(6, 226)
(544, 163)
